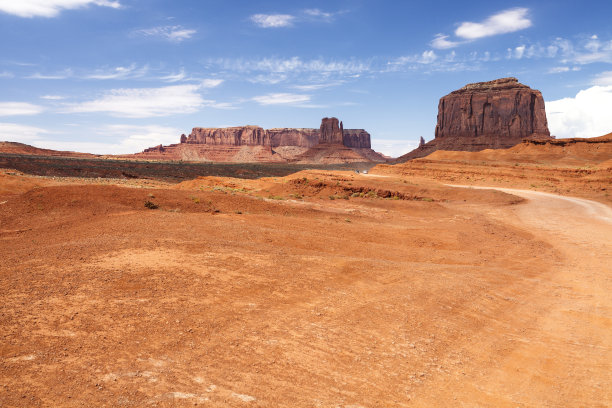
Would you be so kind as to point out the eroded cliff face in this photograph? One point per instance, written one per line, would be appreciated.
(486, 115)
(331, 131)
(230, 136)
(356, 138)
(503, 110)
(330, 143)
(299, 137)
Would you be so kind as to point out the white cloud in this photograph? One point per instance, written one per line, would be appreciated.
(316, 87)
(428, 57)
(174, 33)
(49, 8)
(146, 102)
(560, 70)
(52, 97)
(119, 73)
(585, 115)
(282, 99)
(603, 79)
(273, 20)
(181, 75)
(519, 51)
(441, 42)
(507, 21)
(67, 73)
(6, 74)
(117, 139)
(318, 13)
(394, 147)
(211, 83)
(14, 132)
(294, 70)
(19, 108)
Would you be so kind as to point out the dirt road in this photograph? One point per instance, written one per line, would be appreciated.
(565, 358)
(327, 289)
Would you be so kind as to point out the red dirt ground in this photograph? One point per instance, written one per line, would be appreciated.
(325, 289)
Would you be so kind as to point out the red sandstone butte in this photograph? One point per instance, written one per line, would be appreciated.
(331, 143)
(487, 115)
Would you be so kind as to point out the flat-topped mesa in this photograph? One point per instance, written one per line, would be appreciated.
(495, 85)
(497, 114)
(301, 137)
(356, 138)
(486, 115)
(332, 131)
(230, 136)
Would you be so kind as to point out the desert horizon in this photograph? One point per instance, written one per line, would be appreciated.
(308, 204)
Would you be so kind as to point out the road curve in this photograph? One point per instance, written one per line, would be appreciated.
(565, 359)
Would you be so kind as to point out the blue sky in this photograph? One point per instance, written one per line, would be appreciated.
(116, 76)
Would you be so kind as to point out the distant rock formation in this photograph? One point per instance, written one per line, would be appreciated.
(356, 138)
(231, 136)
(331, 132)
(487, 115)
(253, 143)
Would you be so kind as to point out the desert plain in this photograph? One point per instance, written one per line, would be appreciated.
(459, 279)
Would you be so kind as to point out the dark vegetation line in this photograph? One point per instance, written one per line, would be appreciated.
(173, 171)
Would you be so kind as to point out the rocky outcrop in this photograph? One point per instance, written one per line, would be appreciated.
(294, 137)
(487, 115)
(331, 131)
(358, 138)
(503, 110)
(230, 136)
(253, 143)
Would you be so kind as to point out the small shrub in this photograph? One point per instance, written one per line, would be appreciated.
(355, 195)
(332, 197)
(195, 200)
(151, 205)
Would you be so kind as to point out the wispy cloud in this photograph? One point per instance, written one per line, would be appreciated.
(441, 42)
(273, 20)
(52, 97)
(603, 79)
(506, 21)
(145, 102)
(65, 74)
(287, 20)
(19, 133)
(175, 33)
(19, 108)
(560, 70)
(114, 139)
(130, 72)
(180, 76)
(6, 74)
(284, 69)
(319, 14)
(585, 115)
(49, 8)
(282, 99)
(316, 87)
(580, 52)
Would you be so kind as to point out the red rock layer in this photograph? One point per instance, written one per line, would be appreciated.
(231, 136)
(487, 115)
(331, 131)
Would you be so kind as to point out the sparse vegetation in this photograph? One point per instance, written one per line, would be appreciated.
(151, 205)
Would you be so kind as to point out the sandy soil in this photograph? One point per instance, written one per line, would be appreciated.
(325, 289)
